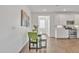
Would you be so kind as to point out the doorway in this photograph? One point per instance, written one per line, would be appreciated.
(44, 25)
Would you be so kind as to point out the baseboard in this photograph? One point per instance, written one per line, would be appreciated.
(64, 38)
(52, 37)
(26, 42)
(67, 38)
(61, 38)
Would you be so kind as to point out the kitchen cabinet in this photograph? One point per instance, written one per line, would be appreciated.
(61, 33)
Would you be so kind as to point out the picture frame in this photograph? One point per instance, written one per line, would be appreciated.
(25, 21)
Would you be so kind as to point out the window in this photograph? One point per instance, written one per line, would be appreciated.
(44, 24)
(41, 23)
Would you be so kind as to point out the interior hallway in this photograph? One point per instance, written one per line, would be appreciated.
(57, 46)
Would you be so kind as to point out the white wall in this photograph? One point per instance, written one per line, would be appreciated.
(12, 35)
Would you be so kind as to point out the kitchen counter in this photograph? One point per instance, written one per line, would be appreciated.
(62, 32)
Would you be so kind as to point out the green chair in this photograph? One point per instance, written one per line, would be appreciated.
(33, 40)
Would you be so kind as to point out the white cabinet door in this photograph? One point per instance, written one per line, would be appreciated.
(62, 33)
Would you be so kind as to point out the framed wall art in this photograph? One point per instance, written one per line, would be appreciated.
(25, 21)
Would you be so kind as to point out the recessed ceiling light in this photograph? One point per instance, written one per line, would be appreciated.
(44, 10)
(64, 9)
(59, 26)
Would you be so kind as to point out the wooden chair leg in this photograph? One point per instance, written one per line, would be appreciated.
(36, 47)
(29, 46)
(33, 44)
(40, 44)
(46, 43)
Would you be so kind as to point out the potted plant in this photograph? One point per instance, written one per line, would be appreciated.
(35, 28)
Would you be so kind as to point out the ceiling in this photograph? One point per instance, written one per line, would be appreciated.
(53, 8)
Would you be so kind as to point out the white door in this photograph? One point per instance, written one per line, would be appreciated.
(44, 25)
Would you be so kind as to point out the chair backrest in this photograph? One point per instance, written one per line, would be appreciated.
(33, 36)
